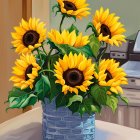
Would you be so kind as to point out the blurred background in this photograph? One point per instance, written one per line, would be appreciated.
(11, 12)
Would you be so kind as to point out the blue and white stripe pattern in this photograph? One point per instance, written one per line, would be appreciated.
(62, 125)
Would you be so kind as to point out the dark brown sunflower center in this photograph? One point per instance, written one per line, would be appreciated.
(69, 6)
(28, 71)
(105, 30)
(73, 77)
(30, 38)
(109, 76)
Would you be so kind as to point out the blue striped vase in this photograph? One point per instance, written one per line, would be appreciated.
(62, 125)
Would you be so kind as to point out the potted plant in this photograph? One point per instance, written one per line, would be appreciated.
(72, 79)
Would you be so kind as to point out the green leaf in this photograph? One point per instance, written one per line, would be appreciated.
(66, 49)
(21, 98)
(124, 99)
(74, 17)
(41, 61)
(46, 81)
(60, 100)
(90, 25)
(90, 107)
(73, 27)
(55, 88)
(75, 98)
(94, 45)
(57, 12)
(86, 50)
(16, 92)
(75, 106)
(22, 101)
(99, 94)
(52, 45)
(82, 109)
(53, 59)
(112, 102)
(55, 6)
(42, 87)
(96, 108)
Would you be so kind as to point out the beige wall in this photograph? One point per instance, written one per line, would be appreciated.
(11, 12)
(40, 9)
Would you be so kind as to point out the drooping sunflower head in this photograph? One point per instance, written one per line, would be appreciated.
(110, 74)
(25, 71)
(76, 8)
(110, 30)
(29, 35)
(74, 72)
(69, 38)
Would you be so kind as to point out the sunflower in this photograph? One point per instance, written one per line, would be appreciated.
(69, 38)
(76, 8)
(110, 30)
(74, 72)
(29, 35)
(110, 74)
(26, 70)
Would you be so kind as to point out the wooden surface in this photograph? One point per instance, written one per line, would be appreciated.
(10, 15)
(26, 9)
(11, 12)
(126, 116)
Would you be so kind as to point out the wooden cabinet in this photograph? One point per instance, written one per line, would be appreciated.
(127, 116)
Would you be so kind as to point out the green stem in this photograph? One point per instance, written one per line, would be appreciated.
(85, 95)
(39, 54)
(102, 53)
(40, 57)
(50, 52)
(43, 49)
(49, 66)
(62, 20)
(46, 70)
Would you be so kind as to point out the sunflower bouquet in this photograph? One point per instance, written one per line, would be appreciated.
(64, 65)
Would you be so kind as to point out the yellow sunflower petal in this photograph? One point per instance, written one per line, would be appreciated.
(26, 29)
(65, 89)
(77, 8)
(113, 89)
(108, 26)
(69, 38)
(68, 72)
(25, 71)
(110, 74)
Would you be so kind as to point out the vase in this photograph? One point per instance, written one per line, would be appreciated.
(61, 124)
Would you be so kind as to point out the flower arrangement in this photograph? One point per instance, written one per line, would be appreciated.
(73, 71)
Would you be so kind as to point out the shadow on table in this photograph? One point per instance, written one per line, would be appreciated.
(32, 131)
